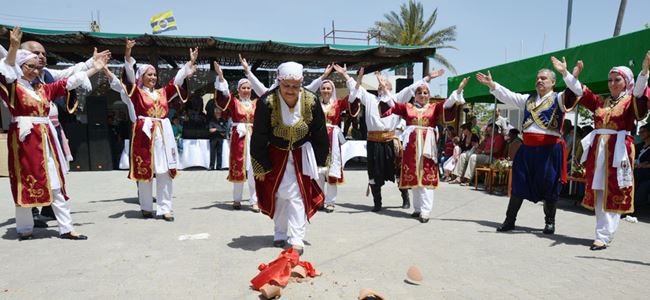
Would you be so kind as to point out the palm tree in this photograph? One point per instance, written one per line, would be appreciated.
(408, 28)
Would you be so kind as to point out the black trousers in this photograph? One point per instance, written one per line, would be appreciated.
(216, 150)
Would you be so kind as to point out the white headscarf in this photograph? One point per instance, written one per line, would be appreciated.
(141, 70)
(333, 97)
(23, 56)
(289, 70)
(242, 81)
(627, 75)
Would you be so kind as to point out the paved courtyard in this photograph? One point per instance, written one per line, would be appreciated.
(460, 254)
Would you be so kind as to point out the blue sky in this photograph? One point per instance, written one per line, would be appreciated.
(489, 32)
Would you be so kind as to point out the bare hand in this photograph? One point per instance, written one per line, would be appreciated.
(462, 85)
(129, 44)
(485, 79)
(194, 54)
(559, 66)
(217, 68)
(244, 63)
(646, 63)
(100, 62)
(99, 55)
(15, 36)
(578, 69)
(340, 70)
(260, 177)
(435, 73)
(359, 76)
(328, 70)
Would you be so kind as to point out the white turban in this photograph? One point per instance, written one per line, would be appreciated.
(141, 70)
(627, 75)
(23, 56)
(288, 71)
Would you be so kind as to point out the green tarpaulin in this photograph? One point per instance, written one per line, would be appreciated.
(598, 57)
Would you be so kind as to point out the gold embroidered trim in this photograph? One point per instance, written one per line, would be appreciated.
(300, 129)
(553, 123)
(258, 169)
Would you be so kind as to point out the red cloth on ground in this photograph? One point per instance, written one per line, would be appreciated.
(278, 271)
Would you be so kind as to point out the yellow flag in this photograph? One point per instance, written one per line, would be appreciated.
(163, 22)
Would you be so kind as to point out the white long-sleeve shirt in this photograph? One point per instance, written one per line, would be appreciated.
(519, 100)
(374, 121)
(59, 74)
(640, 85)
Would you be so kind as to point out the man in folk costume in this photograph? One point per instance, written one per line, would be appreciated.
(241, 109)
(288, 145)
(609, 149)
(36, 168)
(153, 147)
(333, 108)
(539, 167)
(384, 149)
(46, 75)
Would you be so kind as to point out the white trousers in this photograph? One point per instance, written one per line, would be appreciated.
(422, 201)
(163, 194)
(606, 222)
(474, 160)
(61, 208)
(238, 189)
(290, 220)
(330, 191)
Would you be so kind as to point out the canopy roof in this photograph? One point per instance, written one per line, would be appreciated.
(598, 57)
(74, 46)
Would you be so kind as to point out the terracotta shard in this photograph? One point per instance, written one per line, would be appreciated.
(270, 291)
(368, 294)
(414, 276)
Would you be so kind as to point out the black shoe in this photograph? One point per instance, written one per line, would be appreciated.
(236, 205)
(147, 214)
(38, 223)
(47, 212)
(329, 208)
(423, 220)
(376, 208)
(406, 202)
(25, 237)
(69, 236)
(549, 229)
(415, 215)
(279, 243)
(506, 227)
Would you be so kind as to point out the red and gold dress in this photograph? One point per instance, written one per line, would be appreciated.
(242, 113)
(35, 157)
(152, 132)
(613, 120)
(418, 168)
(333, 113)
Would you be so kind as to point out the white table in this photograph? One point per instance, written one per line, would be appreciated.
(196, 153)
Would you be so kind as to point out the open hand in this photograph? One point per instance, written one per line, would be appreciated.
(485, 79)
(244, 63)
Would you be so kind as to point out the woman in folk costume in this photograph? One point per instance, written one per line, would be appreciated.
(609, 149)
(153, 146)
(419, 169)
(36, 160)
(333, 109)
(241, 110)
(287, 146)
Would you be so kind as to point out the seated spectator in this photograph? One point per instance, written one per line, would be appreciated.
(448, 146)
(481, 155)
(513, 142)
(450, 164)
(642, 168)
(463, 159)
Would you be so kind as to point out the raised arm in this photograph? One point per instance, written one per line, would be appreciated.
(117, 86)
(178, 86)
(502, 93)
(314, 86)
(259, 88)
(456, 96)
(80, 67)
(641, 90)
(222, 95)
(407, 93)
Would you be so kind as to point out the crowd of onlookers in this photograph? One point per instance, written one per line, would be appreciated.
(462, 152)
